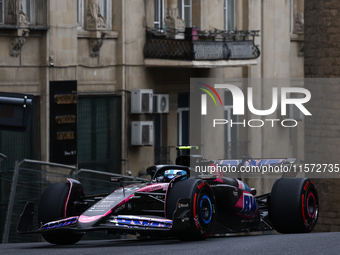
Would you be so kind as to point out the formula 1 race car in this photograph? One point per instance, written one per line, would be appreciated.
(174, 203)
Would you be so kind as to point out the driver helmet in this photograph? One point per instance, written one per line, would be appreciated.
(170, 174)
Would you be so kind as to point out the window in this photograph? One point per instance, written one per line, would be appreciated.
(105, 7)
(80, 11)
(1, 12)
(229, 15)
(231, 133)
(159, 14)
(183, 117)
(28, 6)
(183, 126)
(291, 16)
(184, 10)
(161, 151)
(99, 133)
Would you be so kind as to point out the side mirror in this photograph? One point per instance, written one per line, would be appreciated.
(151, 171)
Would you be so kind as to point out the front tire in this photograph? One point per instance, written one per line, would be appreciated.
(294, 205)
(202, 207)
(52, 207)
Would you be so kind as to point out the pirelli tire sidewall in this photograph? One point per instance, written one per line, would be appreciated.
(310, 203)
(294, 205)
(202, 207)
(52, 207)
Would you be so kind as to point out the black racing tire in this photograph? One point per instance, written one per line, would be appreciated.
(202, 207)
(294, 205)
(51, 207)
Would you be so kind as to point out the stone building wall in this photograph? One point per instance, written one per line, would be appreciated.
(69, 42)
(322, 131)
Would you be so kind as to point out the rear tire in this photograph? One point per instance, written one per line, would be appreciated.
(202, 207)
(294, 205)
(51, 207)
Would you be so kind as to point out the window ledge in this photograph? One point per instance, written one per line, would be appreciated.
(197, 64)
(297, 37)
(97, 34)
(31, 27)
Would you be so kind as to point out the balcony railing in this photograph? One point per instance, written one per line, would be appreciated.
(202, 45)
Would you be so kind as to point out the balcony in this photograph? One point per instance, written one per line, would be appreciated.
(201, 48)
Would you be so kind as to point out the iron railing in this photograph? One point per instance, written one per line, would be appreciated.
(203, 45)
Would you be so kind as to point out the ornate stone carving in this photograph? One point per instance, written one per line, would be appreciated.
(173, 22)
(94, 18)
(299, 24)
(95, 45)
(16, 13)
(16, 44)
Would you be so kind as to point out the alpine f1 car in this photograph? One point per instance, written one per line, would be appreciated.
(174, 203)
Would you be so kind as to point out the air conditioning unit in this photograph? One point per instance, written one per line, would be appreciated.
(161, 103)
(141, 133)
(142, 101)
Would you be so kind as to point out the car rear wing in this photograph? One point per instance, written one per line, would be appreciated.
(193, 161)
(256, 162)
(185, 153)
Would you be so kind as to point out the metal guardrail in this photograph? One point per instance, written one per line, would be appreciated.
(29, 180)
(23, 182)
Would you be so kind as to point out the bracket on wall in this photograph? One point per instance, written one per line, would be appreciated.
(16, 44)
(95, 45)
(301, 52)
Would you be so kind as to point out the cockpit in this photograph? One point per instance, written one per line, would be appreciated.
(165, 173)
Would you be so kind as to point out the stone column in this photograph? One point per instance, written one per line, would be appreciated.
(93, 18)
(173, 22)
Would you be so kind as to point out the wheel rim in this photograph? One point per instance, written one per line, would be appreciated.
(311, 205)
(206, 209)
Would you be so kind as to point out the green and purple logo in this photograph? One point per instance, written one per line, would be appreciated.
(204, 97)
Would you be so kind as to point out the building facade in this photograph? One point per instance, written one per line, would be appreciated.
(83, 60)
(322, 131)
(96, 49)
